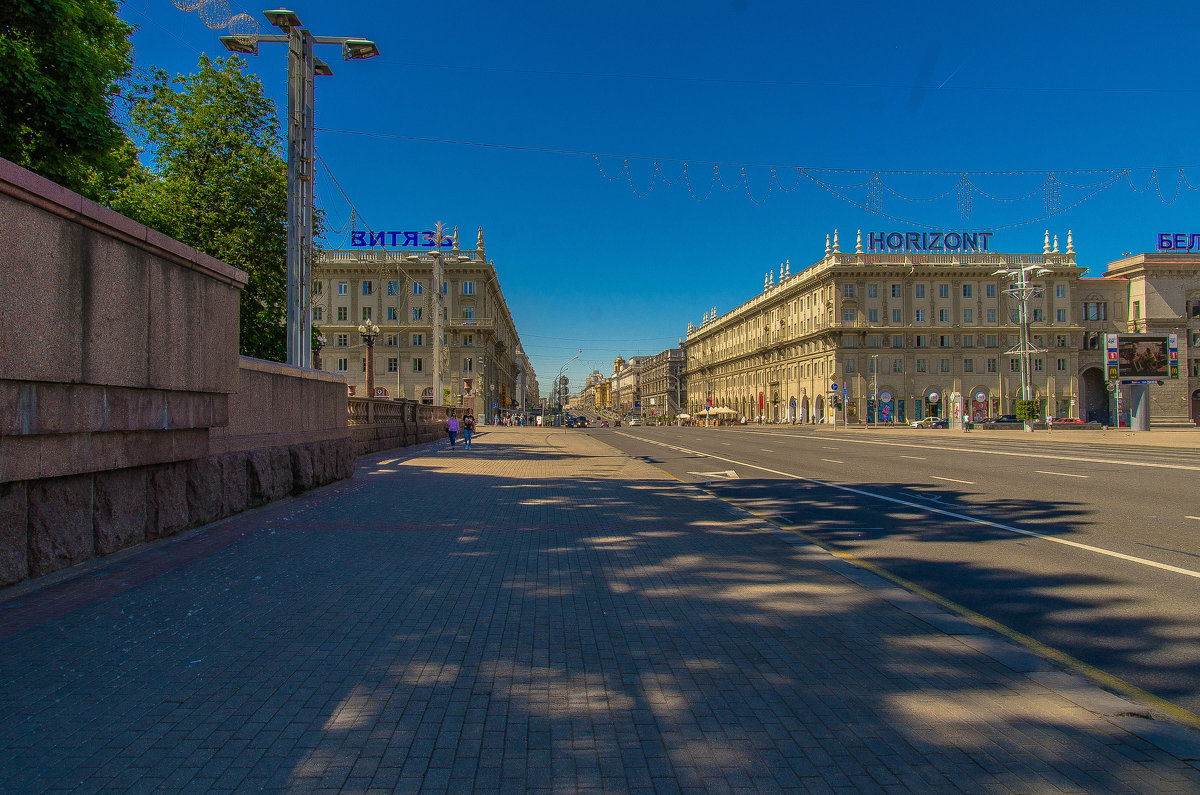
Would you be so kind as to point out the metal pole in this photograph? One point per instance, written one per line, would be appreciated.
(438, 301)
(296, 91)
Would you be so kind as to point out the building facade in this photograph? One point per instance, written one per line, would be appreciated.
(915, 328)
(662, 386)
(483, 366)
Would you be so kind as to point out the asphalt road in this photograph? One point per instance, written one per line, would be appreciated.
(1091, 549)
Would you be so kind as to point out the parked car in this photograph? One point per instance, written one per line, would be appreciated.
(1066, 421)
(931, 422)
(1005, 419)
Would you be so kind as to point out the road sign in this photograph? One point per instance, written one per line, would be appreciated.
(833, 387)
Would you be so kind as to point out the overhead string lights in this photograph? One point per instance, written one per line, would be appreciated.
(218, 14)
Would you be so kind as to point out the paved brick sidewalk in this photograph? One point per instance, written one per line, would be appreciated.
(540, 613)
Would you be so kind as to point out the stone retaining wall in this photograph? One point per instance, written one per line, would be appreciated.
(377, 424)
(126, 414)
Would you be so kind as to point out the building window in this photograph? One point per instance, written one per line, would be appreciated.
(991, 316)
(417, 313)
(918, 291)
(418, 340)
(922, 341)
(897, 288)
(919, 316)
(849, 340)
(468, 313)
(989, 290)
(393, 288)
(848, 315)
(1014, 365)
(391, 313)
(342, 365)
(393, 364)
(944, 341)
(872, 315)
(343, 313)
(943, 291)
(851, 366)
(897, 316)
(969, 341)
(1062, 365)
(872, 291)
(418, 365)
(391, 340)
(991, 341)
(1193, 309)
(920, 365)
(967, 291)
(991, 367)
(968, 365)
(1095, 310)
(364, 364)
(1137, 310)
(848, 290)
(468, 340)
(468, 288)
(1038, 315)
(968, 315)
(445, 288)
(318, 314)
(897, 341)
(343, 288)
(1195, 368)
(343, 340)
(897, 365)
(1060, 315)
(1060, 291)
(366, 313)
(944, 365)
(418, 288)
(368, 288)
(318, 287)
(943, 315)
(1196, 339)
(1038, 365)
(468, 364)
(873, 341)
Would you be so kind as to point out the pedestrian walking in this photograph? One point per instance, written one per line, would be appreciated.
(452, 429)
(468, 428)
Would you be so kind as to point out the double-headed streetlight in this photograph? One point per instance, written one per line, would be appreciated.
(303, 67)
(1021, 291)
(369, 332)
(558, 384)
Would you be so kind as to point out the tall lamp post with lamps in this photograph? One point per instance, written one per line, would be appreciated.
(303, 67)
(369, 332)
(875, 390)
(1021, 291)
(558, 385)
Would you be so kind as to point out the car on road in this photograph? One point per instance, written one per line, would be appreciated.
(931, 422)
(635, 421)
(603, 423)
(1066, 421)
(581, 422)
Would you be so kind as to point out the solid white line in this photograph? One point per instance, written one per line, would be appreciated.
(1197, 518)
(1060, 474)
(765, 450)
(914, 457)
(942, 511)
(954, 480)
(833, 461)
(389, 461)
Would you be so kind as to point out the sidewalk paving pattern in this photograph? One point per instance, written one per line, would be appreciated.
(540, 613)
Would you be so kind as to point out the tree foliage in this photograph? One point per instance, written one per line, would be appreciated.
(60, 61)
(218, 182)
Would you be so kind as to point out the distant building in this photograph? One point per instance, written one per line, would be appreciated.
(483, 365)
(663, 391)
(916, 327)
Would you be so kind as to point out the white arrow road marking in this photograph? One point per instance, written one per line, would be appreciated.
(728, 474)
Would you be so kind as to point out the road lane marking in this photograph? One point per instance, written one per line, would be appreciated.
(1060, 474)
(765, 450)
(932, 509)
(914, 457)
(727, 474)
(1197, 518)
(954, 480)
(1048, 457)
(833, 461)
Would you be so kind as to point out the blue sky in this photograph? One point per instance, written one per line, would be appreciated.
(519, 118)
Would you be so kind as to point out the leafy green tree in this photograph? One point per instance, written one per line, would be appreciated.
(218, 182)
(60, 61)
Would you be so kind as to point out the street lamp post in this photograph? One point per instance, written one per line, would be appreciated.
(874, 390)
(1021, 291)
(303, 67)
(558, 386)
(369, 332)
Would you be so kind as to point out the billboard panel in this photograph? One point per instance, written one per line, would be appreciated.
(1143, 356)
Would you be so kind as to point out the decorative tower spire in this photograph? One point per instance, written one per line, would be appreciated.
(479, 241)
(455, 246)
(1056, 244)
(766, 280)
(781, 273)
(827, 249)
(1046, 245)
(771, 278)
(836, 248)
(787, 267)
(1070, 243)
(858, 244)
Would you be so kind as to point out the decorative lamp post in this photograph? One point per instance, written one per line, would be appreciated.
(1021, 291)
(369, 332)
(559, 387)
(303, 67)
(318, 345)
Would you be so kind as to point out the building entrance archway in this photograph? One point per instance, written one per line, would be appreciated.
(1095, 398)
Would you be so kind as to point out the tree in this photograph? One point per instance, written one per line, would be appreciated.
(60, 61)
(218, 182)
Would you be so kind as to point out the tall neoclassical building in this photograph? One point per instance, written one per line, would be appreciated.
(914, 327)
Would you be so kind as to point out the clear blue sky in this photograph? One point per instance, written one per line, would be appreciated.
(587, 261)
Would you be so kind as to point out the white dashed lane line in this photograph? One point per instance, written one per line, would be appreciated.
(954, 480)
(1060, 474)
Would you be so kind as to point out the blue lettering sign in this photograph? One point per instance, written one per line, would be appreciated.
(951, 241)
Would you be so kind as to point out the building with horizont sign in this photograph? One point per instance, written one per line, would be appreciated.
(916, 317)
